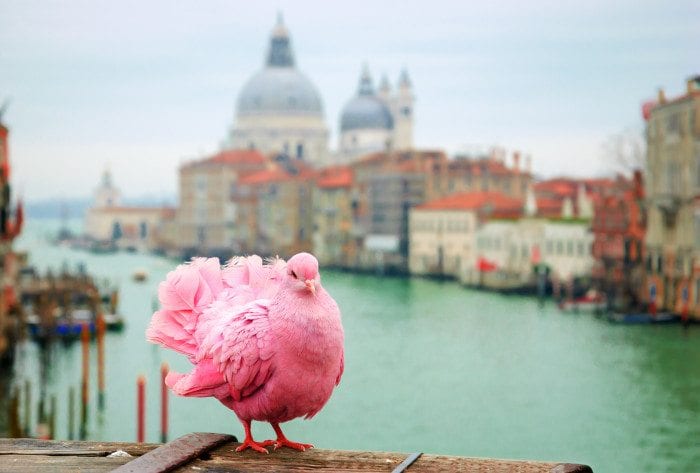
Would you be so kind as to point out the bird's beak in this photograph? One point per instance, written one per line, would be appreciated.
(311, 286)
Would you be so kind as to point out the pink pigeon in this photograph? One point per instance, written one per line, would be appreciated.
(265, 339)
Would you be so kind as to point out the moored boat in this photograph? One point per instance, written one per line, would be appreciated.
(643, 318)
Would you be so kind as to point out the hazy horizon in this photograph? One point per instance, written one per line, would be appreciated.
(142, 88)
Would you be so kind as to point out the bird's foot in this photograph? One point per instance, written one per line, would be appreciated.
(252, 444)
(288, 443)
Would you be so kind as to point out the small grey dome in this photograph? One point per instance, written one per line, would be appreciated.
(279, 89)
(365, 110)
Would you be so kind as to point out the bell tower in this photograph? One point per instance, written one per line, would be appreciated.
(403, 113)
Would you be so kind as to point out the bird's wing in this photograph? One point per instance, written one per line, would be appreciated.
(342, 368)
(240, 345)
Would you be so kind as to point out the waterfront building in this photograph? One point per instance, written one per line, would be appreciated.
(568, 197)
(375, 121)
(673, 199)
(334, 212)
(279, 110)
(386, 186)
(483, 173)
(277, 208)
(207, 215)
(443, 231)
(10, 228)
(108, 222)
(509, 251)
(619, 227)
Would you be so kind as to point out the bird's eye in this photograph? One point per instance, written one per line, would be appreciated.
(294, 275)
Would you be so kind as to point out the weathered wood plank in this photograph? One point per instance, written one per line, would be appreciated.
(178, 452)
(224, 459)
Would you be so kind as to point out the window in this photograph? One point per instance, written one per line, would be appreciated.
(696, 229)
(300, 150)
(560, 247)
(673, 122)
(580, 248)
(570, 248)
(549, 248)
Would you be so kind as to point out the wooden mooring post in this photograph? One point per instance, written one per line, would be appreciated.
(202, 453)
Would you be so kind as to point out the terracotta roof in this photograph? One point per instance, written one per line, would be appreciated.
(276, 175)
(232, 157)
(500, 204)
(334, 177)
(262, 177)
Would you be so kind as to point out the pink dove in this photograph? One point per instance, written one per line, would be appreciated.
(265, 339)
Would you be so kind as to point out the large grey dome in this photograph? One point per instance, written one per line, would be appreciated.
(279, 87)
(366, 110)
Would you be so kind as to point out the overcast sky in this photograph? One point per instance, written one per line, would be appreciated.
(142, 86)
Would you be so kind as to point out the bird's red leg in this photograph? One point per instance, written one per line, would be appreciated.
(282, 441)
(249, 442)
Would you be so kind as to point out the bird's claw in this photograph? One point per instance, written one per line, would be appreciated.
(258, 447)
(295, 445)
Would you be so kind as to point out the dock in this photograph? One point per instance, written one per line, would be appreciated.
(209, 453)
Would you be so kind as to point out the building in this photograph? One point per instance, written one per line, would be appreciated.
(619, 228)
(333, 211)
(10, 228)
(482, 173)
(208, 213)
(279, 110)
(278, 218)
(566, 197)
(673, 202)
(509, 251)
(443, 231)
(110, 224)
(386, 186)
(376, 121)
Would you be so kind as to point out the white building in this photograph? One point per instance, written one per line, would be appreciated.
(513, 247)
(279, 109)
(443, 232)
(124, 227)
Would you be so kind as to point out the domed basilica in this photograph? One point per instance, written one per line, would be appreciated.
(279, 110)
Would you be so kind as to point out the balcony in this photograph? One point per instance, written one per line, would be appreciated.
(669, 205)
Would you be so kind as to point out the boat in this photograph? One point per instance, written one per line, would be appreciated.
(643, 318)
(69, 326)
(140, 275)
(592, 301)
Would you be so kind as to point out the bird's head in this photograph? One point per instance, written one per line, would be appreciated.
(302, 273)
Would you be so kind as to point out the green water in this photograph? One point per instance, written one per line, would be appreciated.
(430, 367)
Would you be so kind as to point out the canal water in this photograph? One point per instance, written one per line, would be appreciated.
(430, 367)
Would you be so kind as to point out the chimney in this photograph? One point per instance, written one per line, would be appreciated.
(516, 161)
(528, 164)
(662, 97)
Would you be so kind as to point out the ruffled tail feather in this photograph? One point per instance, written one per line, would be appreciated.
(183, 296)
